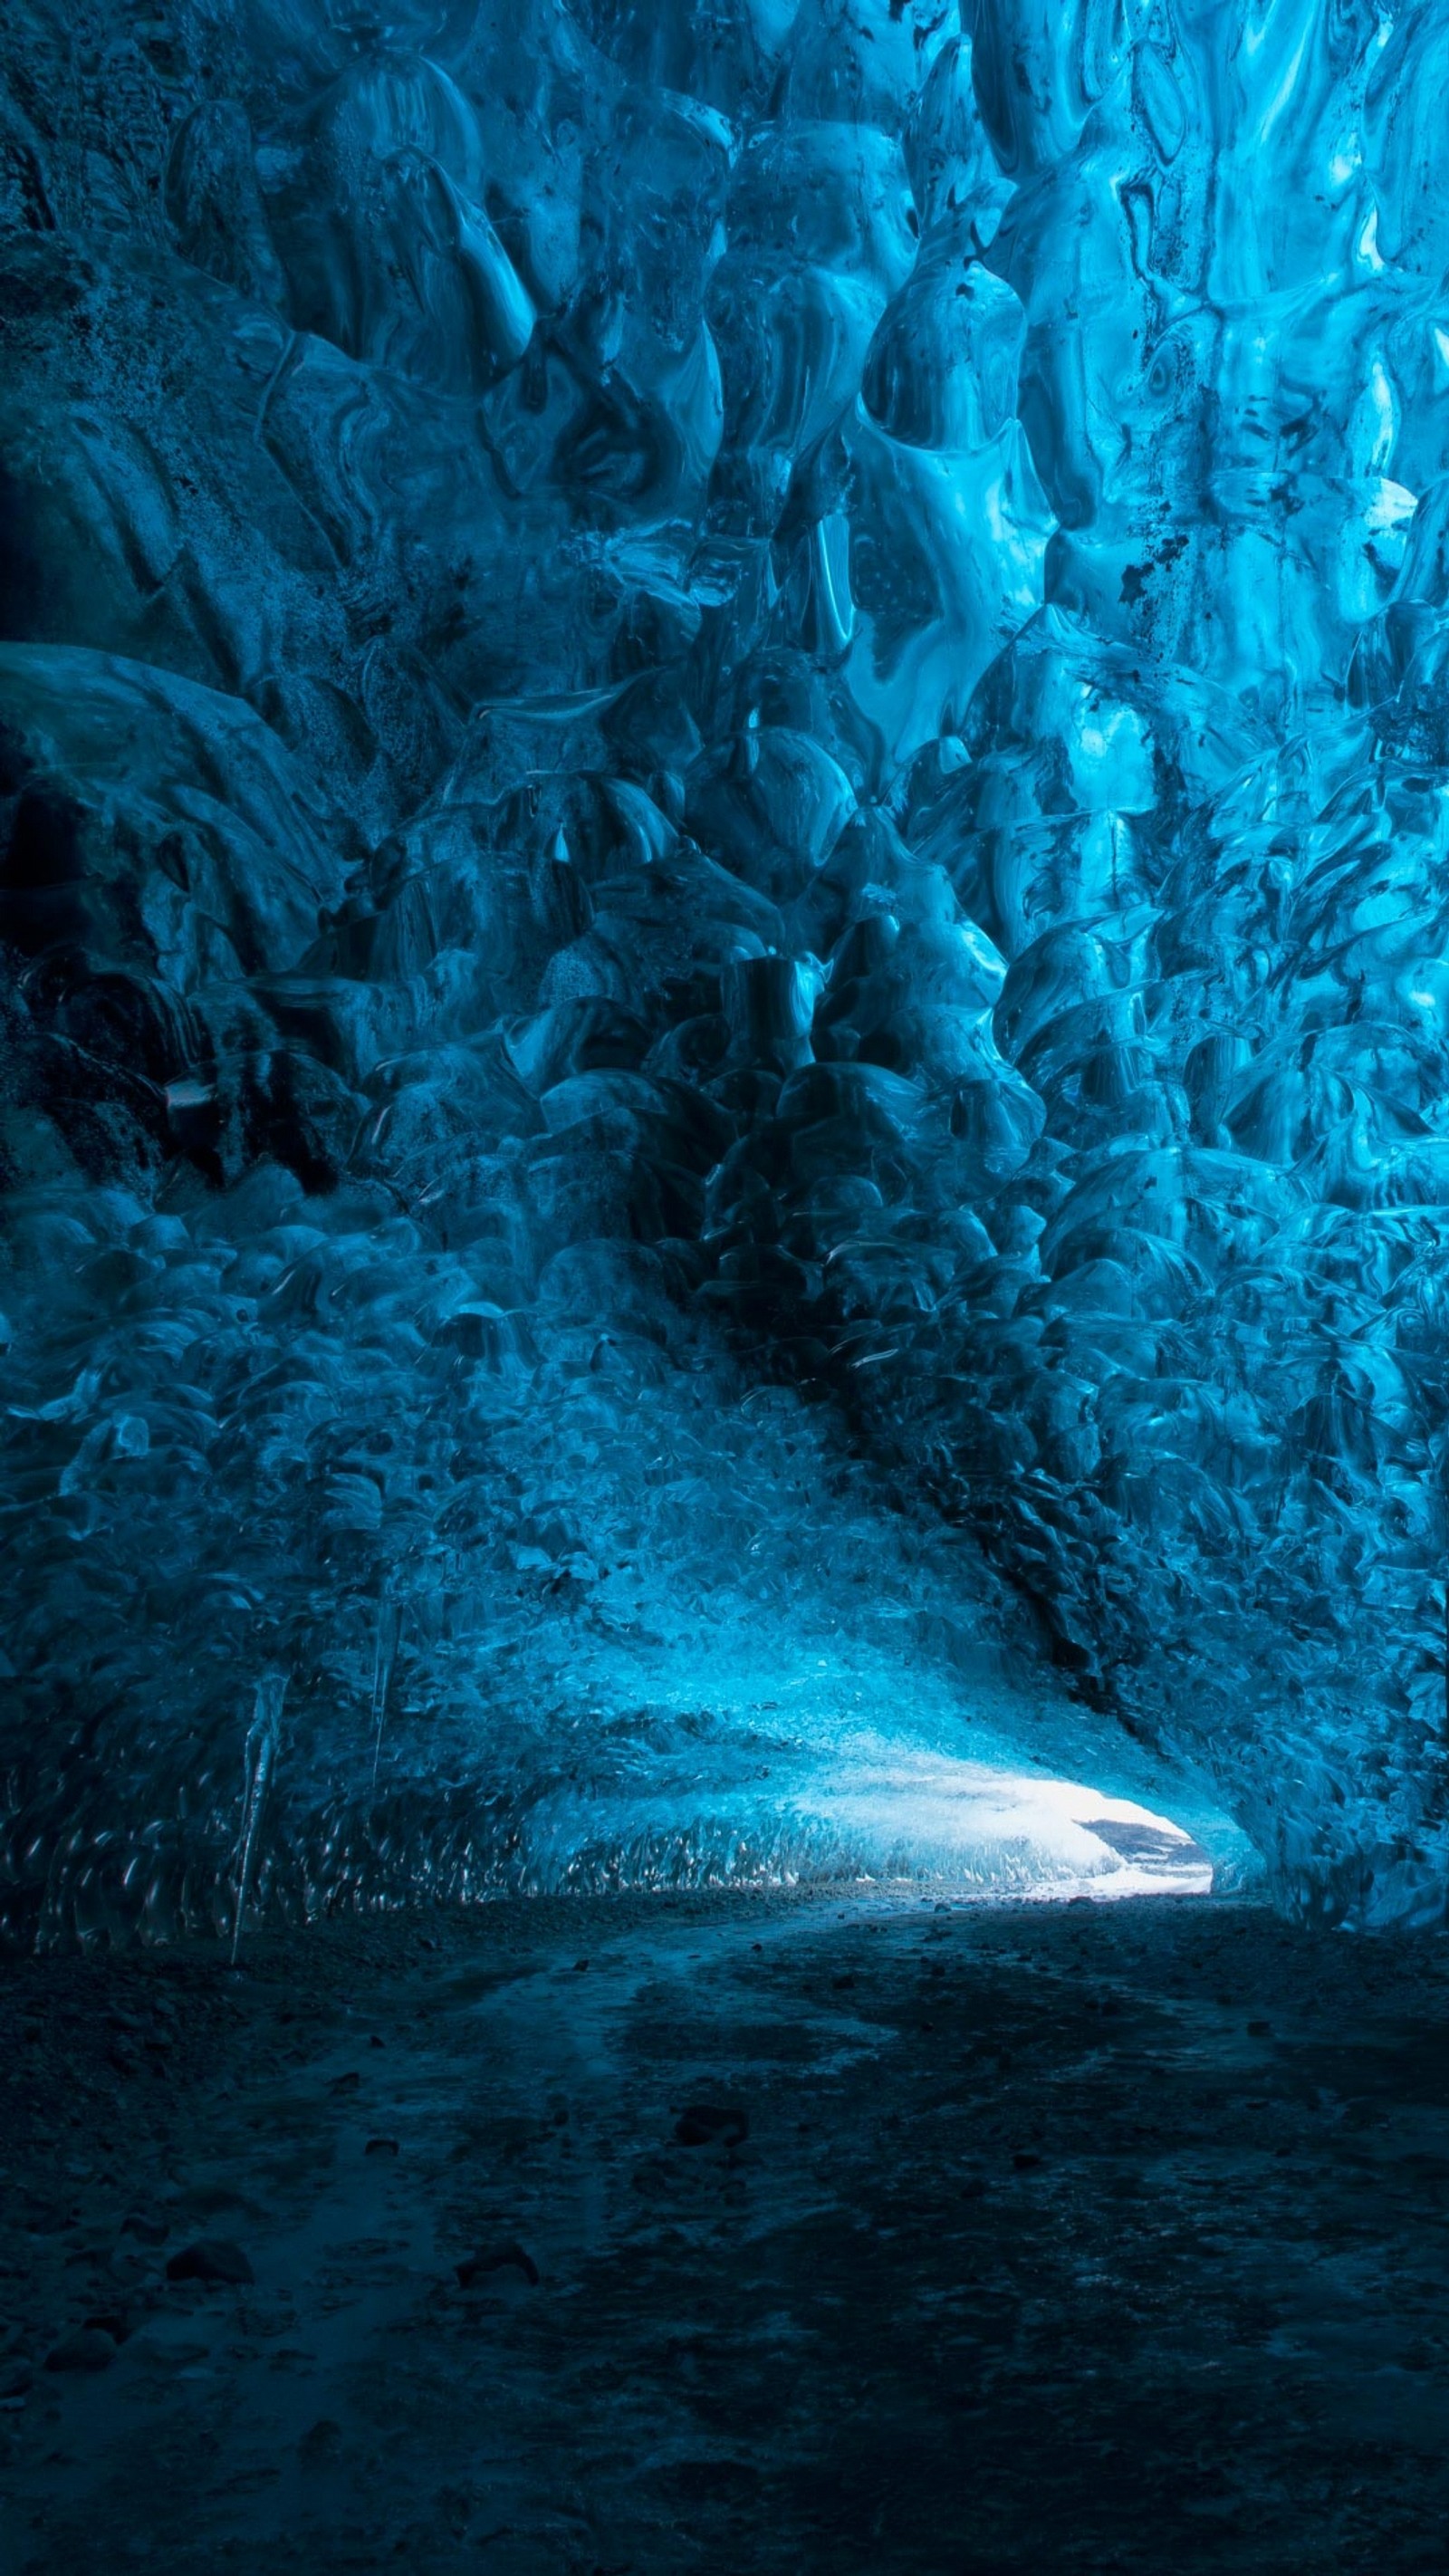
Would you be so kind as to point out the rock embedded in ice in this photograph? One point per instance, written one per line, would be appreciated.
(212, 2260)
(90, 2348)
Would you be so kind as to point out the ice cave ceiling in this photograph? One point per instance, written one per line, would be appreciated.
(723, 737)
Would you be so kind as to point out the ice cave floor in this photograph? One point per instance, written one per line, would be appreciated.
(833, 2231)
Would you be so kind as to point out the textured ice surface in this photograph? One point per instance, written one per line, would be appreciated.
(723, 748)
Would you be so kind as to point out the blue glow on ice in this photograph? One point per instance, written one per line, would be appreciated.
(723, 758)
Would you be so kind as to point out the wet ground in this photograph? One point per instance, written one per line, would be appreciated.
(741, 2234)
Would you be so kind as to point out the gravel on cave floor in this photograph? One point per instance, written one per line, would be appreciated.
(1059, 2237)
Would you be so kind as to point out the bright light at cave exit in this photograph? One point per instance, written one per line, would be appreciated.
(1007, 1833)
(853, 1763)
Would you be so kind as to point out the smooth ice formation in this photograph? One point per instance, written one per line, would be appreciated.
(723, 756)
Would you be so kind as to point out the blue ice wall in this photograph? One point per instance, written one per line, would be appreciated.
(722, 769)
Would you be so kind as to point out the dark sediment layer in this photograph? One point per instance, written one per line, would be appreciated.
(868, 2234)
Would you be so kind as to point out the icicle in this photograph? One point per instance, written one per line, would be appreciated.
(263, 1737)
(382, 1675)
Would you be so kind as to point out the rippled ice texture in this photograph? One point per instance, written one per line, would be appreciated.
(725, 724)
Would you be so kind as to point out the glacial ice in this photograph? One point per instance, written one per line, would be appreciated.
(723, 763)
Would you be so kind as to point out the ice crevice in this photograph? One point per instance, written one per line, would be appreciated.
(723, 759)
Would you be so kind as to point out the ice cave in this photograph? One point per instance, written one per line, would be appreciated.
(724, 1140)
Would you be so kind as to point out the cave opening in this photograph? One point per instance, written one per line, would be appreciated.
(724, 1130)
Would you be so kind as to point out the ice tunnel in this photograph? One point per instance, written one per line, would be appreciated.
(724, 729)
